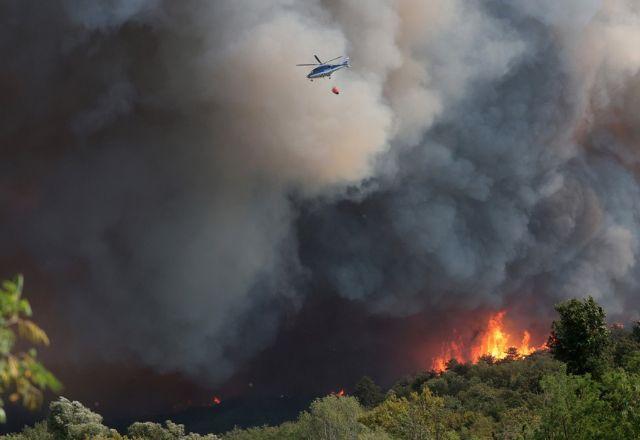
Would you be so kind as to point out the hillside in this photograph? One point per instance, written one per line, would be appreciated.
(545, 395)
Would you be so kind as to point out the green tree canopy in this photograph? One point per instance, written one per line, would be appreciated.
(579, 407)
(420, 416)
(368, 393)
(580, 337)
(73, 421)
(333, 418)
(155, 431)
(635, 332)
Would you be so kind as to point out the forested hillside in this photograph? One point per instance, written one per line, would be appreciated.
(585, 386)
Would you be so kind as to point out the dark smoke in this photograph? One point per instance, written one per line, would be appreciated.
(182, 187)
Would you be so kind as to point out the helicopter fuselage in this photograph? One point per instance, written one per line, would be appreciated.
(326, 70)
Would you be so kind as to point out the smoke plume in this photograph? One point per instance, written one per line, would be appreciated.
(185, 186)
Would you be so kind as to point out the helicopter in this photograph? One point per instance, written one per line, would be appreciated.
(325, 69)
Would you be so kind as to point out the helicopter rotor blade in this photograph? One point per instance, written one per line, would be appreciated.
(316, 56)
(333, 59)
(307, 64)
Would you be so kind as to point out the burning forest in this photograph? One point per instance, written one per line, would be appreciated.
(495, 340)
(194, 215)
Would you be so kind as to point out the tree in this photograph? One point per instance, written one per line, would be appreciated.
(73, 421)
(635, 332)
(368, 393)
(517, 424)
(632, 362)
(578, 407)
(512, 354)
(38, 432)
(623, 346)
(621, 393)
(580, 337)
(333, 418)
(457, 367)
(21, 375)
(155, 431)
(420, 416)
(487, 359)
(571, 405)
(329, 418)
(286, 431)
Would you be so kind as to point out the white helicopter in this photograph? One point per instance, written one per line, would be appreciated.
(325, 69)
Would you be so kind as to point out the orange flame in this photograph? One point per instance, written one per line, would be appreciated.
(453, 350)
(493, 340)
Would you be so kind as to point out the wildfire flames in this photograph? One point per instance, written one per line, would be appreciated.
(216, 400)
(493, 340)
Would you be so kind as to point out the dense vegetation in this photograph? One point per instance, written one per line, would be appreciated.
(586, 386)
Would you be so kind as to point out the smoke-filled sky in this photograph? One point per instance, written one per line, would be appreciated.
(176, 190)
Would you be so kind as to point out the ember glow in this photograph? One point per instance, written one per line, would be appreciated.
(216, 400)
(493, 339)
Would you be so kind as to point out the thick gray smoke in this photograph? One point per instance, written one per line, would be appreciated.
(193, 184)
